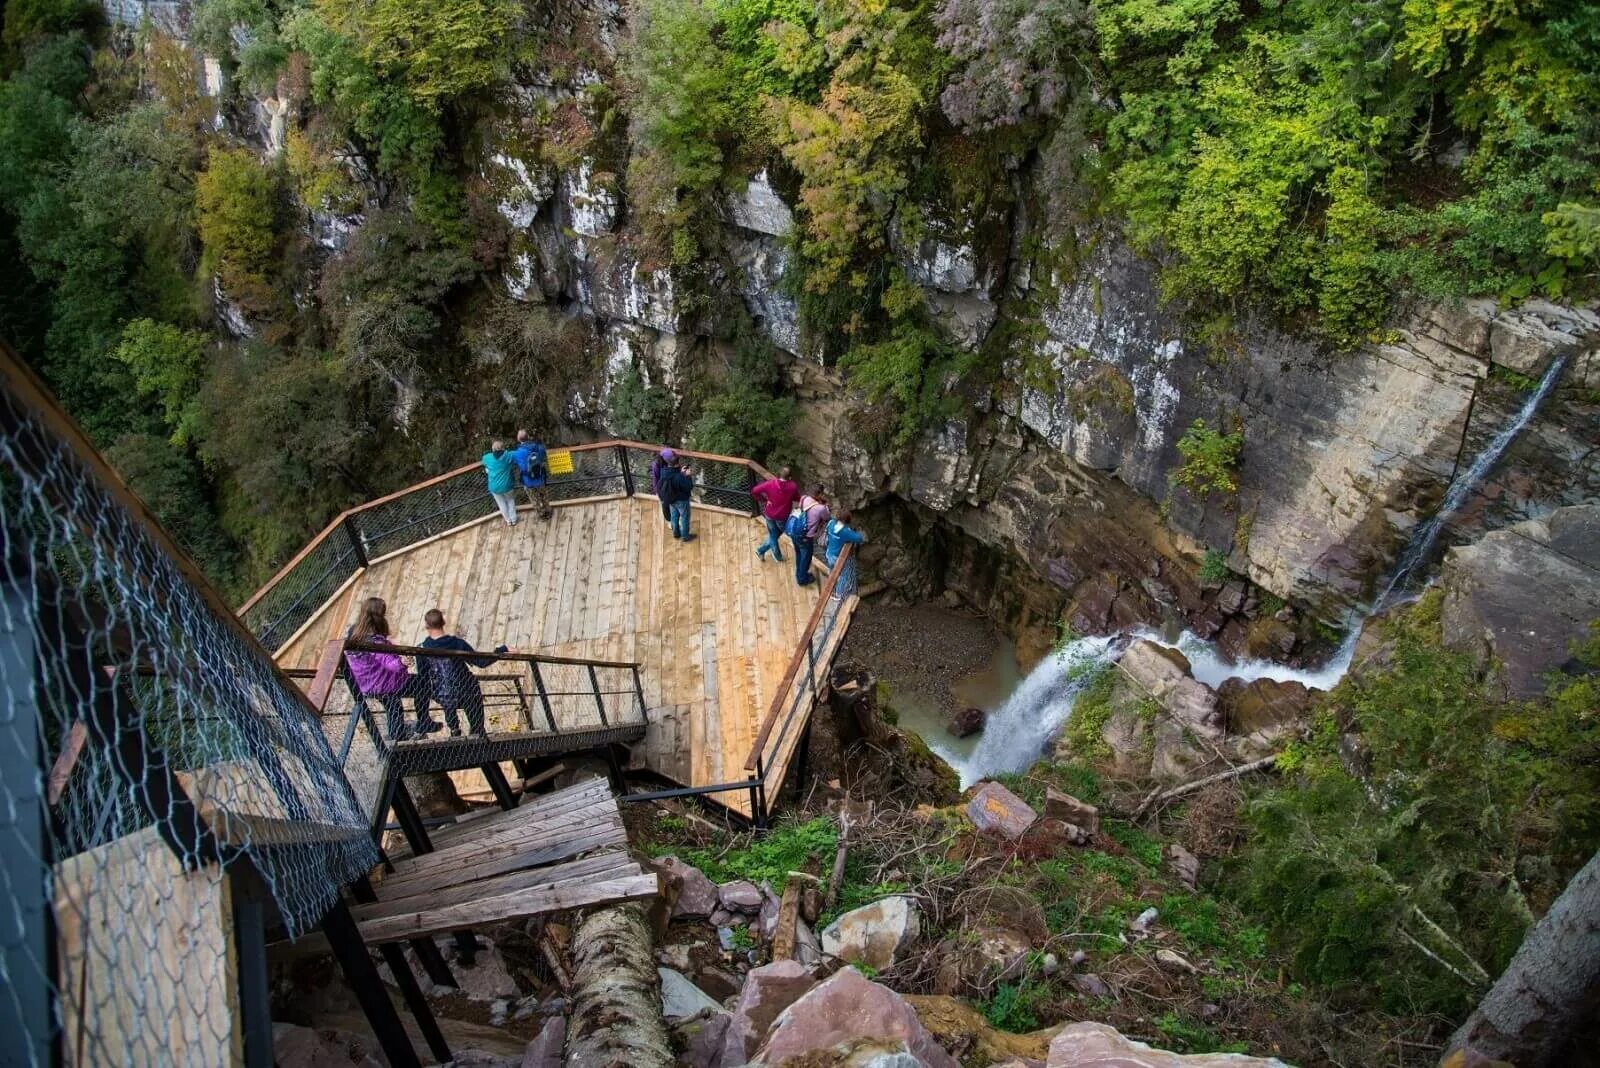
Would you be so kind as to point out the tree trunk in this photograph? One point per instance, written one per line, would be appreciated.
(435, 794)
(616, 999)
(1551, 986)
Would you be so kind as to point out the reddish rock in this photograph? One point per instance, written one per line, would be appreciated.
(702, 1041)
(996, 810)
(1093, 1045)
(768, 991)
(1068, 809)
(740, 896)
(697, 895)
(848, 1009)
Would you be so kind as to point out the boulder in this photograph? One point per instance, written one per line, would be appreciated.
(846, 1009)
(980, 959)
(697, 895)
(740, 896)
(1163, 674)
(1518, 597)
(1264, 712)
(996, 810)
(874, 934)
(767, 991)
(680, 998)
(965, 722)
(546, 1048)
(1184, 864)
(1068, 809)
(1094, 1045)
(701, 1040)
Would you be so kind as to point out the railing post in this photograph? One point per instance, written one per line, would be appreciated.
(522, 704)
(758, 795)
(811, 666)
(627, 472)
(355, 541)
(638, 690)
(599, 702)
(544, 695)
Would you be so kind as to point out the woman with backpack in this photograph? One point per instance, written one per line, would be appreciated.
(383, 676)
(803, 528)
(840, 534)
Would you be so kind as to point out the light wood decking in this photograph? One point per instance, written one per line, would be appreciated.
(712, 627)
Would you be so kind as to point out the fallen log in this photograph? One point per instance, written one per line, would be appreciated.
(616, 998)
(1161, 800)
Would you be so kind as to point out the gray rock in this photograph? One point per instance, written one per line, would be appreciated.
(1184, 864)
(1163, 674)
(996, 810)
(965, 722)
(1095, 1045)
(721, 917)
(697, 895)
(740, 896)
(681, 999)
(875, 934)
(546, 1049)
(1091, 985)
(767, 992)
(758, 207)
(1069, 810)
(1517, 598)
(847, 1009)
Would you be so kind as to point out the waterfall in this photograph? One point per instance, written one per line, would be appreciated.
(1017, 733)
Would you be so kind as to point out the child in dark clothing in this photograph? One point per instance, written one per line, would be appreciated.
(450, 681)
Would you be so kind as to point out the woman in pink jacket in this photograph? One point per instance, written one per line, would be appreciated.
(384, 675)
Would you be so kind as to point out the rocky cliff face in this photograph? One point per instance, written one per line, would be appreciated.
(1061, 471)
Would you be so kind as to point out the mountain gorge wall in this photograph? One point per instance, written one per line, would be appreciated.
(1053, 492)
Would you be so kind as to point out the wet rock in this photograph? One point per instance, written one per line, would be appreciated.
(1263, 714)
(1164, 675)
(680, 998)
(1268, 638)
(845, 1009)
(546, 1048)
(1068, 809)
(1517, 598)
(965, 722)
(996, 810)
(697, 895)
(767, 992)
(1184, 864)
(875, 934)
(1094, 1045)
(1230, 600)
(740, 896)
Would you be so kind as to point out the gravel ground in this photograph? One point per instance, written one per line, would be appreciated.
(925, 647)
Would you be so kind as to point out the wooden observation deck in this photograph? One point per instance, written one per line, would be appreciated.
(729, 653)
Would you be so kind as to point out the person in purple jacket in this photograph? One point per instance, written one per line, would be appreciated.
(776, 496)
(659, 468)
(384, 675)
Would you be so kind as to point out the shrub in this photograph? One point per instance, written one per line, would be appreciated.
(236, 200)
(637, 411)
(1210, 460)
(168, 364)
(1009, 54)
(1214, 568)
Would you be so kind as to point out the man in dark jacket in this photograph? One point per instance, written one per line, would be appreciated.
(450, 681)
(677, 489)
(533, 471)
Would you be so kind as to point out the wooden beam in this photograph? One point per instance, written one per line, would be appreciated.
(582, 894)
(612, 865)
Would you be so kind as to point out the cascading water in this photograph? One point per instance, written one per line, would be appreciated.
(1018, 731)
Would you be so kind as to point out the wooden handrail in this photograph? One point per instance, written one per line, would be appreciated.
(521, 658)
(801, 654)
(338, 520)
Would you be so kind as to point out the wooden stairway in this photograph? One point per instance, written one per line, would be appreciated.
(563, 850)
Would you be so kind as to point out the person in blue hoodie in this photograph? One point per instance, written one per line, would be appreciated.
(533, 470)
(840, 534)
(501, 468)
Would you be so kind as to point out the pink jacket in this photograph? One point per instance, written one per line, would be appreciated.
(377, 674)
(776, 496)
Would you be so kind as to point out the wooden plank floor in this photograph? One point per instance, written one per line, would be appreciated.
(712, 626)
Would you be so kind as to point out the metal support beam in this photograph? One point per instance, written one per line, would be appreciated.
(421, 1011)
(802, 758)
(416, 834)
(502, 789)
(344, 937)
(255, 1002)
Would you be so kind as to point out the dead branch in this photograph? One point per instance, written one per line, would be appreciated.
(1161, 800)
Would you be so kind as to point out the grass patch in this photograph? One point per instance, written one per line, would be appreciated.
(1015, 1007)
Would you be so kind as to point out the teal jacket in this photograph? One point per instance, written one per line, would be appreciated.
(502, 471)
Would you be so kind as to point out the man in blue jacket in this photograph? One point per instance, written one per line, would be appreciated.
(533, 470)
(450, 682)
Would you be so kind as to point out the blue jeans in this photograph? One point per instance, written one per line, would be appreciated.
(680, 519)
(774, 532)
(803, 548)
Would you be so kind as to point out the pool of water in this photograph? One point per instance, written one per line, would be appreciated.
(987, 688)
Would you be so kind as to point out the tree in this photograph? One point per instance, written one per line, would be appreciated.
(237, 197)
(1551, 986)
(168, 364)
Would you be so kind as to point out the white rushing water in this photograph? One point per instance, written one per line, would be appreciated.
(1017, 732)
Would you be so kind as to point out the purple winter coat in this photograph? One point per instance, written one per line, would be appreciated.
(377, 674)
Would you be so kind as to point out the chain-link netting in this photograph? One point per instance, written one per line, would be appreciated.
(723, 482)
(454, 711)
(288, 603)
(147, 747)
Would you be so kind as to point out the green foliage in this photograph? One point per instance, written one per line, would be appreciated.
(28, 21)
(172, 484)
(637, 411)
(1471, 816)
(769, 858)
(908, 374)
(1090, 714)
(1210, 460)
(1214, 568)
(168, 364)
(750, 416)
(261, 57)
(439, 51)
(1144, 847)
(236, 202)
(1016, 1006)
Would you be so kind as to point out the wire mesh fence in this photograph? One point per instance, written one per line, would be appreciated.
(148, 749)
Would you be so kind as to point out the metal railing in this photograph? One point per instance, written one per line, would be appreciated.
(370, 532)
(619, 468)
(550, 704)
